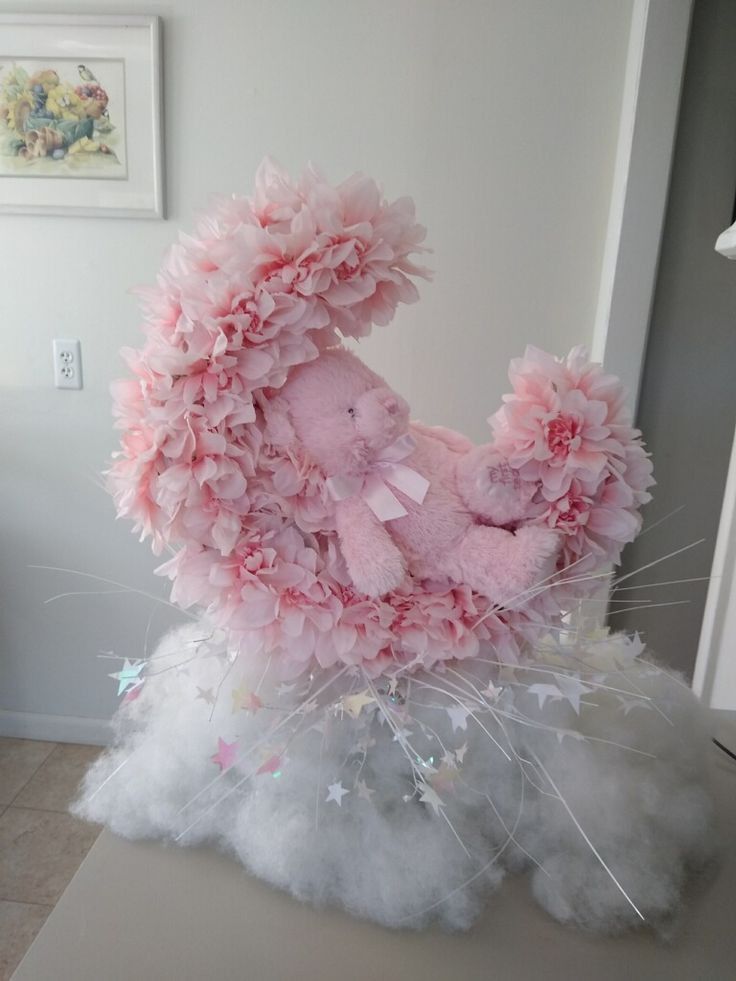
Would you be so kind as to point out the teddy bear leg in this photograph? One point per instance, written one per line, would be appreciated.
(504, 565)
(375, 564)
(491, 488)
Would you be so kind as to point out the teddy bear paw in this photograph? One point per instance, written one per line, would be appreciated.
(492, 489)
(541, 547)
(378, 578)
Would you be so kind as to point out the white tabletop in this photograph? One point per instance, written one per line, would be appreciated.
(148, 912)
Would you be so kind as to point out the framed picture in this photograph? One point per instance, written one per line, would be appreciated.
(80, 115)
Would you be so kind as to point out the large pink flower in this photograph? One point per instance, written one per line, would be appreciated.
(566, 427)
(262, 286)
(552, 430)
(302, 491)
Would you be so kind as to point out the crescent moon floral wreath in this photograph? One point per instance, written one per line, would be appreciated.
(266, 283)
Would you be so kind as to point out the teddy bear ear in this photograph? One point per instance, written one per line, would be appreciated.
(278, 430)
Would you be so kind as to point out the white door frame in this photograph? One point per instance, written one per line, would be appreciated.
(651, 99)
(714, 679)
(655, 65)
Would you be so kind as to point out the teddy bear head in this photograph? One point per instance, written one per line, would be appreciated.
(340, 412)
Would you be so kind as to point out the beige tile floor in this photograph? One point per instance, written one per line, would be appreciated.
(41, 845)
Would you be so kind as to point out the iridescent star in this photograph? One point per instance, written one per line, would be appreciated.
(243, 698)
(133, 693)
(364, 792)
(272, 765)
(225, 755)
(127, 677)
(354, 704)
(444, 778)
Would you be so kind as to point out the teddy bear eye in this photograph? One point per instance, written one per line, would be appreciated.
(351, 411)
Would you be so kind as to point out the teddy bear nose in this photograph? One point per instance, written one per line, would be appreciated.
(391, 405)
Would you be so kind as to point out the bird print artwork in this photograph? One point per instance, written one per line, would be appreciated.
(85, 74)
(58, 118)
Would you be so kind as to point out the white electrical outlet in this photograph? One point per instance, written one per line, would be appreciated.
(67, 363)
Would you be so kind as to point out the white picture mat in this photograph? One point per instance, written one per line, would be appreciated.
(133, 40)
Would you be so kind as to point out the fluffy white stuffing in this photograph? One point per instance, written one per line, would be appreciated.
(388, 856)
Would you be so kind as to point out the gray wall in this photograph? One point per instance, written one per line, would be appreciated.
(687, 404)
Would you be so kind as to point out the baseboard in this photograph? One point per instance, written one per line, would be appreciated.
(55, 728)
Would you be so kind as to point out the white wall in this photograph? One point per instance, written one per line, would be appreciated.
(499, 116)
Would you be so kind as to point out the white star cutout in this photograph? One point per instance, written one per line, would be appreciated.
(544, 691)
(336, 793)
(627, 704)
(571, 688)
(431, 797)
(458, 716)
(491, 692)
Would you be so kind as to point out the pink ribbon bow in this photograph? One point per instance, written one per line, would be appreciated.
(372, 485)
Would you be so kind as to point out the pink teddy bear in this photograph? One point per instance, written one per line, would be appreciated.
(410, 499)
